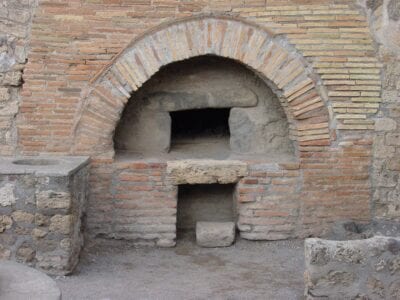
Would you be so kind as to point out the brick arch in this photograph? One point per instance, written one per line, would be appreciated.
(284, 70)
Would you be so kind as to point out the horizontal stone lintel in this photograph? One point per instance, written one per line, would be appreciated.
(206, 171)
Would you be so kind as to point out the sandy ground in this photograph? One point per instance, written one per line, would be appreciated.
(247, 270)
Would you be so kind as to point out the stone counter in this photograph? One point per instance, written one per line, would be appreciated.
(42, 203)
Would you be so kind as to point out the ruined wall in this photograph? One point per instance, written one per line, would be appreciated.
(359, 269)
(384, 22)
(15, 21)
(72, 41)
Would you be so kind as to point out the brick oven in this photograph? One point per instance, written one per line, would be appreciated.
(207, 103)
(256, 113)
(200, 118)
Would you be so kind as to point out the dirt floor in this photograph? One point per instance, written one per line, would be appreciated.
(247, 270)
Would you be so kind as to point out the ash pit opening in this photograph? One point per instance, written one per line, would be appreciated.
(203, 203)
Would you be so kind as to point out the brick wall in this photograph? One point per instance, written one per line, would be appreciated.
(267, 202)
(296, 86)
(144, 203)
(73, 41)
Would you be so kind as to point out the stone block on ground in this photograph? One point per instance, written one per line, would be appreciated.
(356, 269)
(215, 234)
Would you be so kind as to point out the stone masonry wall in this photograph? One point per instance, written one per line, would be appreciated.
(40, 219)
(358, 269)
(15, 22)
(384, 21)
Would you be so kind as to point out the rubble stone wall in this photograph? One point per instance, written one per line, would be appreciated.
(41, 218)
(357, 269)
(15, 23)
(384, 23)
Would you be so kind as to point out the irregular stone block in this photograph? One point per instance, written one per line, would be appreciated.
(393, 164)
(221, 98)
(394, 10)
(206, 171)
(393, 139)
(5, 223)
(10, 109)
(4, 253)
(21, 216)
(41, 220)
(7, 197)
(351, 269)
(145, 131)
(215, 234)
(242, 130)
(4, 94)
(235, 97)
(38, 233)
(61, 224)
(13, 78)
(52, 199)
(385, 124)
(25, 254)
(174, 101)
(254, 130)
